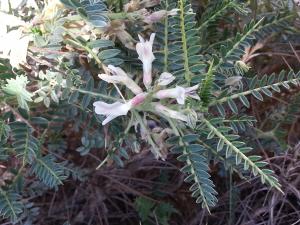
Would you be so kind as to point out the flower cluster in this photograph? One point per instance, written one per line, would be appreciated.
(117, 75)
(17, 87)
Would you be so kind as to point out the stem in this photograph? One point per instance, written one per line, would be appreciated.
(188, 160)
(96, 58)
(234, 47)
(225, 99)
(166, 33)
(95, 94)
(215, 15)
(240, 154)
(151, 142)
(187, 74)
(124, 15)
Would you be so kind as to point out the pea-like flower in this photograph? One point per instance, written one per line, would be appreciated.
(116, 109)
(119, 76)
(144, 50)
(165, 79)
(159, 108)
(178, 93)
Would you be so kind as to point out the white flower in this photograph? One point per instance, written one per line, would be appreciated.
(165, 79)
(17, 87)
(169, 112)
(119, 76)
(13, 44)
(179, 93)
(111, 111)
(144, 50)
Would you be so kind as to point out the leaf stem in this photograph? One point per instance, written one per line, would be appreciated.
(234, 96)
(241, 154)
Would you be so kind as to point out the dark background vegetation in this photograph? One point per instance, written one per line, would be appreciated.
(147, 191)
(155, 191)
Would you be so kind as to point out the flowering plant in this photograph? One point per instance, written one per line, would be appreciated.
(93, 84)
(144, 50)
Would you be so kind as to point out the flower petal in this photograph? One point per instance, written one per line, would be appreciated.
(192, 92)
(178, 93)
(142, 40)
(191, 89)
(138, 99)
(111, 79)
(117, 71)
(169, 112)
(113, 110)
(119, 76)
(165, 79)
(108, 119)
(144, 50)
(152, 36)
(103, 108)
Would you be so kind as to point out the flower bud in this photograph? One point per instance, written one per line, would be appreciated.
(144, 50)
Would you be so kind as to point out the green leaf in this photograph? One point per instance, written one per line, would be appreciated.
(101, 43)
(48, 171)
(235, 147)
(245, 101)
(109, 53)
(11, 205)
(232, 106)
(190, 138)
(257, 95)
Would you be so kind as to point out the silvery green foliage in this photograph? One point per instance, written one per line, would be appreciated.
(178, 38)
(199, 129)
(17, 88)
(93, 10)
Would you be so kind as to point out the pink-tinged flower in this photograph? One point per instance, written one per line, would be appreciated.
(169, 112)
(138, 99)
(111, 111)
(119, 76)
(192, 92)
(165, 78)
(179, 93)
(159, 15)
(144, 50)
